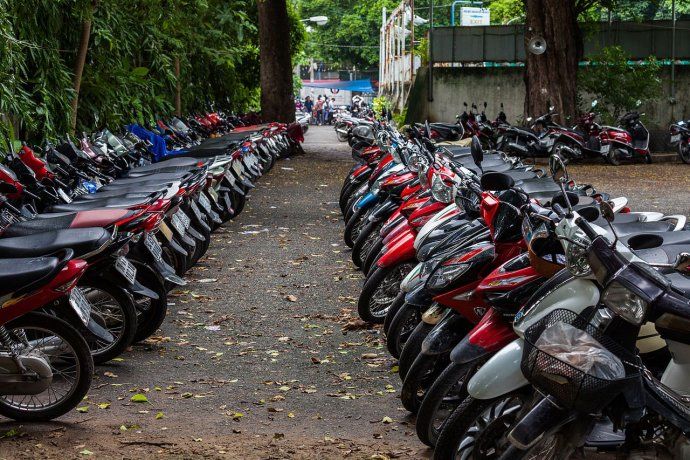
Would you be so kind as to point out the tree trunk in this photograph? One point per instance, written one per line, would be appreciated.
(551, 77)
(178, 88)
(79, 63)
(276, 63)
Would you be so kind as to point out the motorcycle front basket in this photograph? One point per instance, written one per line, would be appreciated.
(573, 388)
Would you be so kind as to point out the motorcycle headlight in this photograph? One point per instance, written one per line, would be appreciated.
(375, 188)
(625, 303)
(445, 275)
(576, 258)
(441, 192)
(423, 176)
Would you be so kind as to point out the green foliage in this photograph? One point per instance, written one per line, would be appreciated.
(503, 11)
(618, 85)
(130, 68)
(381, 104)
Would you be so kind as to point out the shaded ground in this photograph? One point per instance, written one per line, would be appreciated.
(253, 359)
(262, 355)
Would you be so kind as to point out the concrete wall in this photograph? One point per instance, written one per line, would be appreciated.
(453, 86)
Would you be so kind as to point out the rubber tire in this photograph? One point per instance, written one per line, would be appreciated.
(612, 159)
(435, 396)
(352, 224)
(201, 246)
(373, 256)
(129, 313)
(459, 422)
(149, 322)
(174, 259)
(370, 286)
(421, 376)
(648, 159)
(85, 366)
(225, 214)
(684, 159)
(412, 348)
(238, 202)
(392, 311)
(395, 342)
(370, 230)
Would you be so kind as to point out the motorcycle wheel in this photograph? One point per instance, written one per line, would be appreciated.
(379, 292)
(238, 200)
(479, 427)
(365, 242)
(684, 153)
(150, 312)
(175, 260)
(392, 311)
(201, 246)
(373, 256)
(442, 398)
(420, 377)
(612, 158)
(403, 323)
(354, 227)
(114, 310)
(412, 348)
(71, 358)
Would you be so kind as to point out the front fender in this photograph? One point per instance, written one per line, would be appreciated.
(367, 201)
(401, 251)
(491, 334)
(500, 375)
(446, 334)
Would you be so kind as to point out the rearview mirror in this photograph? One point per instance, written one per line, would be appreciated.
(607, 211)
(557, 169)
(477, 152)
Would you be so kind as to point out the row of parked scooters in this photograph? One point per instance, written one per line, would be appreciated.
(95, 231)
(542, 136)
(532, 316)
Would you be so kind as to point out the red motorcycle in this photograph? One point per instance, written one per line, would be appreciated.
(628, 142)
(45, 364)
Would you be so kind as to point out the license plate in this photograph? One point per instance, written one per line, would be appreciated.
(549, 142)
(165, 231)
(499, 140)
(675, 138)
(177, 223)
(125, 268)
(230, 177)
(196, 211)
(204, 202)
(81, 305)
(605, 148)
(64, 196)
(185, 219)
(153, 246)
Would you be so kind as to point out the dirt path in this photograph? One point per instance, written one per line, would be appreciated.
(261, 355)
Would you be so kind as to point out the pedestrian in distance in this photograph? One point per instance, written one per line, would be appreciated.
(309, 108)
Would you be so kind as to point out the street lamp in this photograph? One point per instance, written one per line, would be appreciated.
(318, 20)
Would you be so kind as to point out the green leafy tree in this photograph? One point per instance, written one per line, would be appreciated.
(617, 85)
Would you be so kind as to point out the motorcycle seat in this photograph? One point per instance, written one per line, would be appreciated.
(538, 185)
(106, 203)
(666, 254)
(61, 221)
(160, 178)
(16, 274)
(152, 184)
(680, 283)
(81, 240)
(631, 228)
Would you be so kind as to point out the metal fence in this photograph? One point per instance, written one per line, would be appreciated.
(506, 44)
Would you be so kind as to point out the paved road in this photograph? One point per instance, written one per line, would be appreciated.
(261, 355)
(253, 360)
